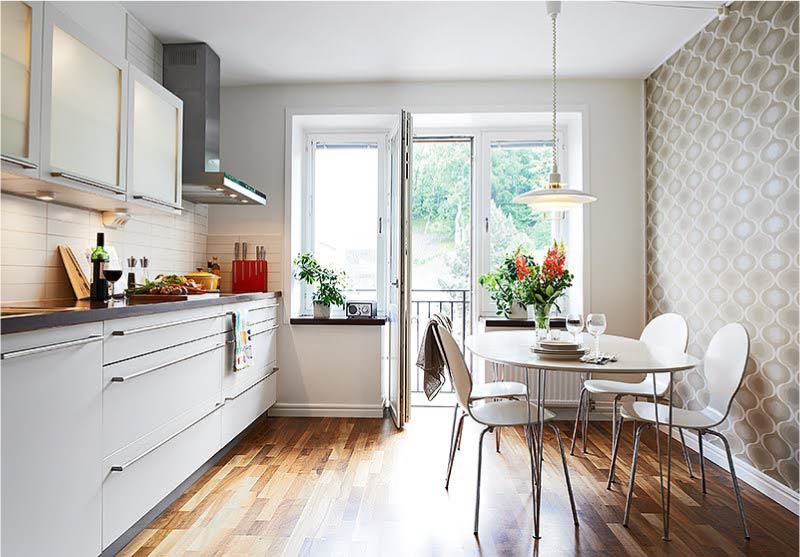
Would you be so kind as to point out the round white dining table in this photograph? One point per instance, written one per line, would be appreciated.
(514, 348)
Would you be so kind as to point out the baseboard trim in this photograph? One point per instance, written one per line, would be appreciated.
(326, 410)
(758, 480)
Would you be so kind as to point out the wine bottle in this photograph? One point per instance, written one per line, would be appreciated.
(99, 289)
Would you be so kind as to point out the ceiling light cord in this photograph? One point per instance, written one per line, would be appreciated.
(555, 151)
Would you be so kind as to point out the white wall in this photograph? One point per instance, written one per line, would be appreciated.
(253, 135)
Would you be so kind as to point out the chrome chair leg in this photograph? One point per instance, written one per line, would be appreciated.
(584, 430)
(629, 498)
(566, 472)
(700, 434)
(733, 477)
(452, 438)
(686, 454)
(497, 439)
(453, 450)
(478, 489)
(577, 417)
(614, 453)
(614, 433)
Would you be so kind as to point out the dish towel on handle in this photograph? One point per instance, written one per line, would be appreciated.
(430, 358)
(242, 347)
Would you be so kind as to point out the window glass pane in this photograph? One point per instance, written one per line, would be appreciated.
(440, 215)
(345, 213)
(517, 167)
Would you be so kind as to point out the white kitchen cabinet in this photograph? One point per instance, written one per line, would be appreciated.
(20, 88)
(155, 138)
(84, 109)
(51, 441)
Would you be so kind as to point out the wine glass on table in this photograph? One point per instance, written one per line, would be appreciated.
(596, 325)
(575, 325)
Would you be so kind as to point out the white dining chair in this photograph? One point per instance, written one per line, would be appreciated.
(497, 389)
(494, 414)
(668, 331)
(723, 366)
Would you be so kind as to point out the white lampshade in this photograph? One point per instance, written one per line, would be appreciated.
(555, 199)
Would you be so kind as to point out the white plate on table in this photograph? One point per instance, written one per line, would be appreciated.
(560, 354)
(568, 345)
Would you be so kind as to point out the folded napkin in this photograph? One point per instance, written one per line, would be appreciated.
(430, 359)
(242, 347)
(600, 359)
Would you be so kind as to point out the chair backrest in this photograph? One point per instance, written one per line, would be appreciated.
(724, 365)
(459, 373)
(669, 331)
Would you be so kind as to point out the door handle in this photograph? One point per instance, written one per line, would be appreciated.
(396, 282)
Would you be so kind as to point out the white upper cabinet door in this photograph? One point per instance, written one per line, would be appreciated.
(20, 87)
(155, 138)
(84, 109)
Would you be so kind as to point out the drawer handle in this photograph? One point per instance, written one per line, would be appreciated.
(121, 468)
(162, 325)
(19, 162)
(155, 201)
(122, 379)
(49, 347)
(267, 376)
(88, 181)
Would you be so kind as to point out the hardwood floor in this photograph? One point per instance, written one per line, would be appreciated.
(337, 486)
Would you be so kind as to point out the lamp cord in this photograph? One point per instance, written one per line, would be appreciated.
(555, 160)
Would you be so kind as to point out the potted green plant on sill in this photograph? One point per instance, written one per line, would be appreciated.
(504, 284)
(544, 285)
(328, 284)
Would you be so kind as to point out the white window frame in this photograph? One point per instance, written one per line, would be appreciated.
(483, 195)
(308, 209)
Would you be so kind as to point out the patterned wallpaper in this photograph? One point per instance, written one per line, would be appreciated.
(722, 215)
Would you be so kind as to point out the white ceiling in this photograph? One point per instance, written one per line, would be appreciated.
(278, 42)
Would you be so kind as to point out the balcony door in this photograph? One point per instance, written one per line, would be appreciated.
(399, 268)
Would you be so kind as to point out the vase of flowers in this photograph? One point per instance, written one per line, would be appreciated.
(544, 285)
(328, 284)
(504, 284)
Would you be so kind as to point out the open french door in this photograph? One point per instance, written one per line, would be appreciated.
(399, 272)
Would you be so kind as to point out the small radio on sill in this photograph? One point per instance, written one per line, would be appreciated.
(360, 310)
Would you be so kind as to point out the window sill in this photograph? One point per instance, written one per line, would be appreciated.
(500, 322)
(374, 321)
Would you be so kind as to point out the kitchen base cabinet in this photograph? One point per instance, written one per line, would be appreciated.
(134, 483)
(243, 409)
(51, 442)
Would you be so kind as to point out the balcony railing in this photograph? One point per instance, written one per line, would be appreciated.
(426, 303)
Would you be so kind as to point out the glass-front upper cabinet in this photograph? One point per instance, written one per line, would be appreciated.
(84, 108)
(20, 87)
(155, 128)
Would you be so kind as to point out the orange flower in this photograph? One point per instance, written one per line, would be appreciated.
(554, 262)
(522, 267)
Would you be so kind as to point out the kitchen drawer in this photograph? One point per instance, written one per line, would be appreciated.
(135, 480)
(135, 336)
(141, 394)
(257, 311)
(265, 352)
(241, 410)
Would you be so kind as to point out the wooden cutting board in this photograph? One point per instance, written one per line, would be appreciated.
(159, 298)
(75, 274)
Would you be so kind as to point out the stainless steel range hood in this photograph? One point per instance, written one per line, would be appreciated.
(191, 71)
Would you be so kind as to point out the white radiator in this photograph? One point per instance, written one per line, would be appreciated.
(561, 388)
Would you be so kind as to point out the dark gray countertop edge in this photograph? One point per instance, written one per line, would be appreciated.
(375, 321)
(33, 322)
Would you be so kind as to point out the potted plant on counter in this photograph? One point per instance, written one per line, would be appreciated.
(328, 284)
(505, 284)
(544, 285)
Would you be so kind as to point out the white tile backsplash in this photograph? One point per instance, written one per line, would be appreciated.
(31, 231)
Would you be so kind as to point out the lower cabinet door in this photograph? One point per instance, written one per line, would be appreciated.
(51, 452)
(134, 482)
(241, 410)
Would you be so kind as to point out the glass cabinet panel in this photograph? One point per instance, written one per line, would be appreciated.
(155, 145)
(15, 36)
(85, 111)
